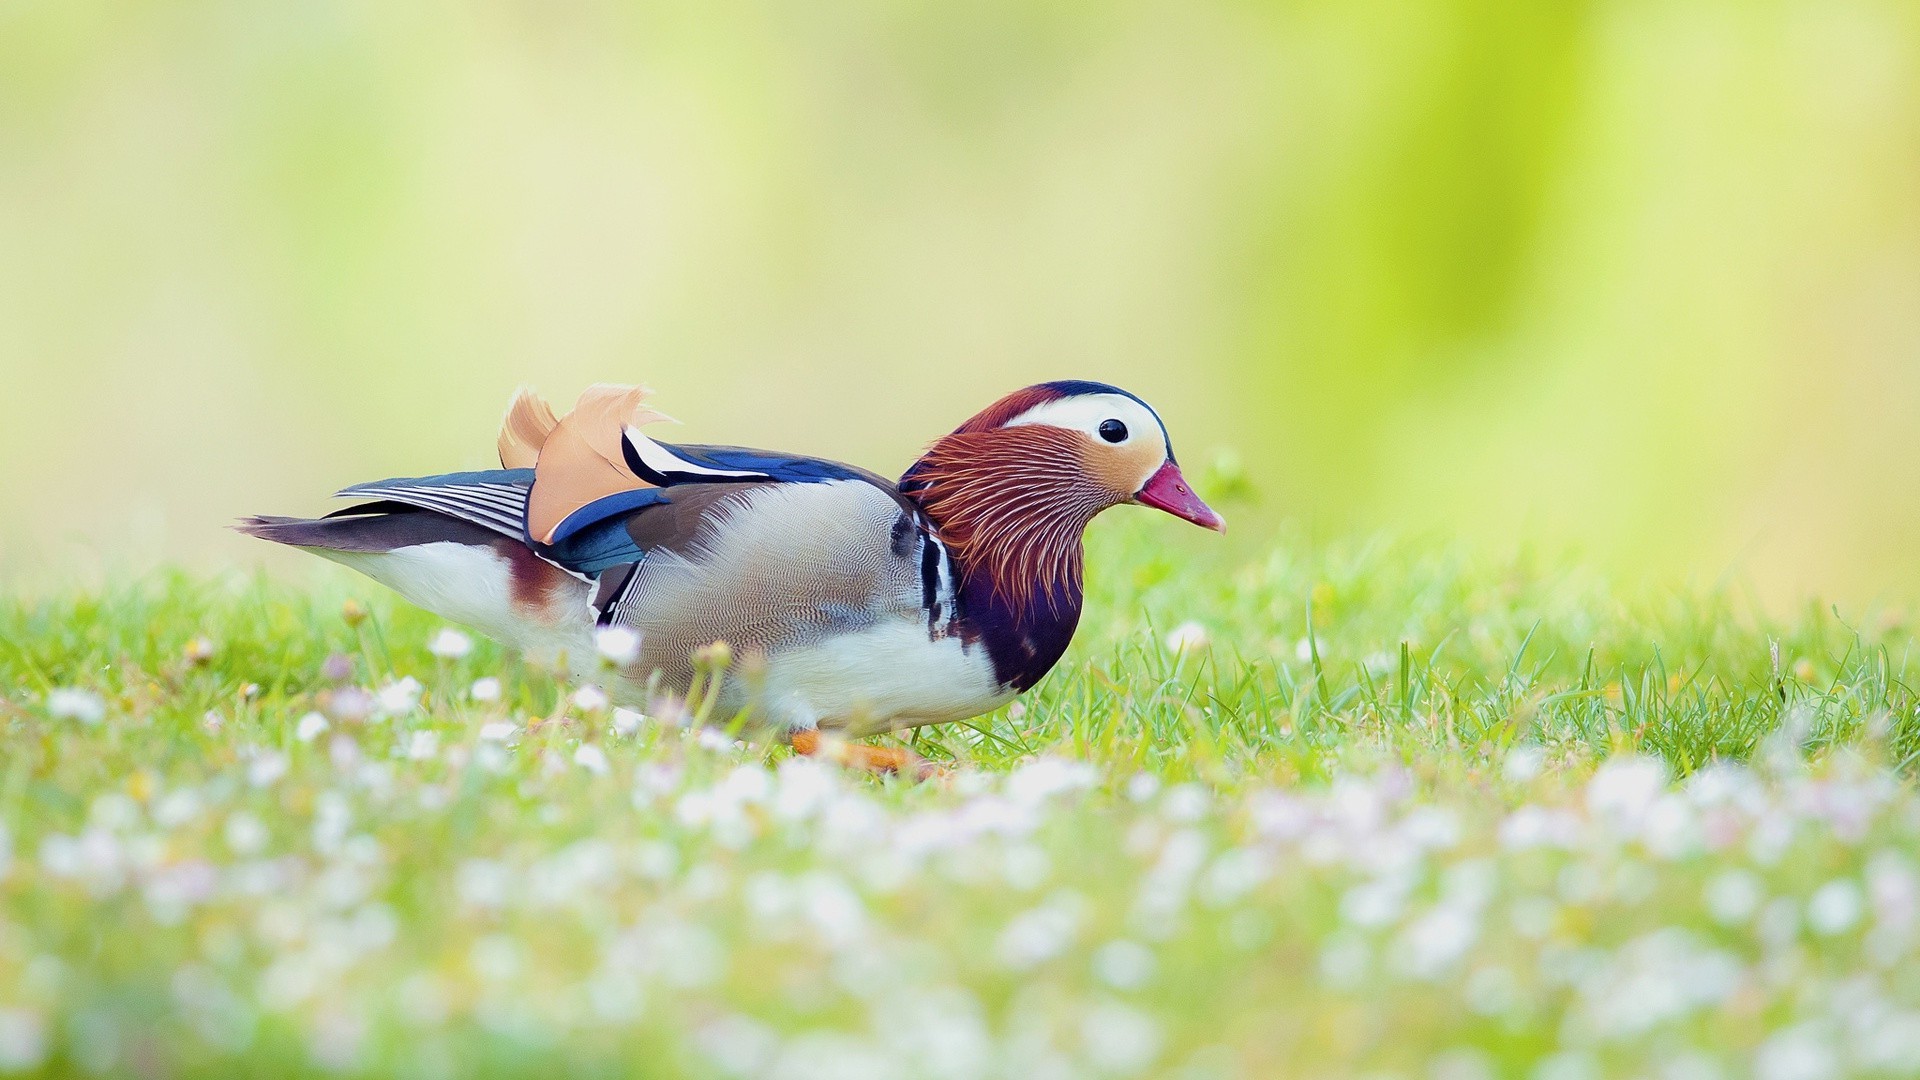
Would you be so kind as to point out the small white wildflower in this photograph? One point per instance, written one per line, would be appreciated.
(739, 1046)
(1185, 802)
(484, 883)
(449, 644)
(423, 745)
(23, 1040)
(1043, 778)
(619, 645)
(498, 730)
(1461, 1063)
(1523, 763)
(1835, 907)
(714, 739)
(398, 698)
(71, 704)
(1895, 890)
(245, 834)
(590, 698)
(627, 721)
(496, 958)
(310, 727)
(591, 758)
(1567, 1065)
(1120, 1038)
(1142, 786)
(1124, 965)
(266, 768)
(1800, 1052)
(176, 808)
(485, 690)
(1624, 789)
(1188, 637)
(1733, 897)
(1436, 941)
(1039, 935)
(1026, 867)
(199, 650)
(1344, 961)
(114, 811)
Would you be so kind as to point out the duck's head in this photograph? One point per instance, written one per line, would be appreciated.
(1118, 442)
(1019, 481)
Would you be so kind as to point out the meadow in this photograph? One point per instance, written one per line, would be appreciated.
(1367, 807)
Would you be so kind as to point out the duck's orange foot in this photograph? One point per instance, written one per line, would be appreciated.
(886, 760)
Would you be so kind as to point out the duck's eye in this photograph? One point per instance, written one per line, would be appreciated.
(1113, 431)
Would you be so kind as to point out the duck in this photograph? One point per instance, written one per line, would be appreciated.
(850, 605)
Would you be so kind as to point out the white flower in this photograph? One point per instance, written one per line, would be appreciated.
(484, 883)
(266, 768)
(498, 730)
(1536, 826)
(245, 834)
(1733, 897)
(423, 745)
(1523, 763)
(1142, 786)
(1036, 936)
(1189, 636)
(1567, 1065)
(1461, 1063)
(1624, 789)
(1120, 1038)
(1344, 960)
(627, 721)
(310, 727)
(1124, 965)
(176, 808)
(398, 698)
(1185, 802)
(1895, 889)
(1800, 1052)
(714, 739)
(82, 705)
(590, 698)
(449, 644)
(619, 645)
(1835, 907)
(23, 1040)
(739, 1046)
(1437, 940)
(591, 758)
(485, 690)
(1042, 778)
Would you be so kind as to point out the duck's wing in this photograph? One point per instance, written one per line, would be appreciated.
(494, 499)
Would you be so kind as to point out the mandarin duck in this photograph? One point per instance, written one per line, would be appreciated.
(854, 604)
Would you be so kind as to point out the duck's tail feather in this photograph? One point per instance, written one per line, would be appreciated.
(374, 527)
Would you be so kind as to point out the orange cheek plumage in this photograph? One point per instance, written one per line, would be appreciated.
(1121, 469)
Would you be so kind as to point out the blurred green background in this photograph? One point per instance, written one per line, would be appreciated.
(1643, 275)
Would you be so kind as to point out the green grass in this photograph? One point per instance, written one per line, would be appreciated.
(1407, 811)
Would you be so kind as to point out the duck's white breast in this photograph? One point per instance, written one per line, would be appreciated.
(887, 676)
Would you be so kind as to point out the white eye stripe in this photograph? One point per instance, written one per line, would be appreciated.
(1086, 412)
